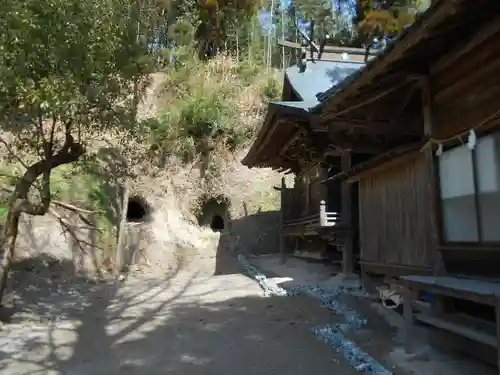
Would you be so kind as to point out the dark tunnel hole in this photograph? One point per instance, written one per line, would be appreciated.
(137, 210)
(213, 214)
(217, 223)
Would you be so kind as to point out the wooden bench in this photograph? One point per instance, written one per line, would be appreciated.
(446, 287)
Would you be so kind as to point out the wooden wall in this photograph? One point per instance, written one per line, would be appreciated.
(465, 95)
(395, 209)
(466, 90)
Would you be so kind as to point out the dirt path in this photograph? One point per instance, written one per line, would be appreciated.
(185, 325)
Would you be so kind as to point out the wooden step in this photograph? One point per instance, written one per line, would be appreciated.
(421, 306)
(333, 239)
(309, 255)
(458, 329)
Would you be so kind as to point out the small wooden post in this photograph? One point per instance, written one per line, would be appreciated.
(346, 196)
(121, 232)
(282, 219)
(432, 182)
(93, 249)
(497, 316)
(408, 317)
(307, 187)
(323, 221)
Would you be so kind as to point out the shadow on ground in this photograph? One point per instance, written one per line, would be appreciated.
(179, 325)
(255, 234)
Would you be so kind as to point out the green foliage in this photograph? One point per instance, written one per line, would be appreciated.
(319, 11)
(181, 32)
(247, 70)
(70, 61)
(186, 128)
(201, 116)
(70, 72)
(271, 91)
(388, 17)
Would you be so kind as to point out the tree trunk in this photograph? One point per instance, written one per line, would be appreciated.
(367, 52)
(7, 248)
(20, 203)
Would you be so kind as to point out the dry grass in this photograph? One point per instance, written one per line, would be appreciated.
(229, 177)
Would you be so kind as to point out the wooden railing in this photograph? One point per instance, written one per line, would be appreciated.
(306, 220)
(320, 219)
(327, 219)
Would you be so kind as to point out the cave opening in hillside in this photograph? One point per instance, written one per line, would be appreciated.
(217, 223)
(137, 210)
(214, 214)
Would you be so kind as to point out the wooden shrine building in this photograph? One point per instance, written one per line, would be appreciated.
(429, 207)
(420, 98)
(286, 142)
(412, 143)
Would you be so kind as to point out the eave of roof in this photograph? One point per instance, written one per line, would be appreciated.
(382, 57)
(319, 76)
(314, 98)
(398, 50)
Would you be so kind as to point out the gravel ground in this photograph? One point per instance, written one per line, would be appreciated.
(381, 336)
(184, 325)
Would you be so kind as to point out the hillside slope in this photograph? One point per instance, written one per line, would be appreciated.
(170, 173)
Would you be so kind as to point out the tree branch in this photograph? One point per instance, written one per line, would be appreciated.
(6, 190)
(11, 152)
(52, 132)
(72, 207)
(69, 228)
(69, 152)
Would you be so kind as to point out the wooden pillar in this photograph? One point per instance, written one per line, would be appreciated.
(427, 106)
(282, 219)
(432, 181)
(322, 176)
(497, 315)
(408, 317)
(346, 216)
(307, 192)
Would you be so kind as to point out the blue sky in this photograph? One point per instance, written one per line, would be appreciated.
(266, 21)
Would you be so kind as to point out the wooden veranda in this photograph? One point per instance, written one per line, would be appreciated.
(429, 200)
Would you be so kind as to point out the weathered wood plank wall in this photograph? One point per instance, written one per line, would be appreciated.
(394, 215)
(465, 94)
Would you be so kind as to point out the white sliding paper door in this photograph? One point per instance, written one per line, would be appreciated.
(457, 195)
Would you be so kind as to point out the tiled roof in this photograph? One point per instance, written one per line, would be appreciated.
(319, 76)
